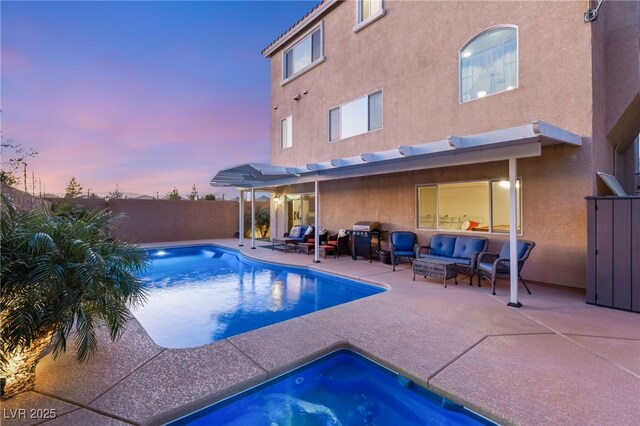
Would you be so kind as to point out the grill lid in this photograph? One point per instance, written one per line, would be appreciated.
(365, 225)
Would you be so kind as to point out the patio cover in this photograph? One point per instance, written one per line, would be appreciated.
(505, 144)
(513, 142)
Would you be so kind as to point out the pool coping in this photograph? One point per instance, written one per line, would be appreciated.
(434, 348)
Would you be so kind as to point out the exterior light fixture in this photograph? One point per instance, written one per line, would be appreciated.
(297, 97)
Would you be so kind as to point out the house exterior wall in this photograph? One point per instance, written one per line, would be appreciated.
(412, 55)
(616, 91)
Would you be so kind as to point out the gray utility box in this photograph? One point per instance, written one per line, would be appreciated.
(613, 252)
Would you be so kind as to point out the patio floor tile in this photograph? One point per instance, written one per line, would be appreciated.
(623, 352)
(85, 417)
(510, 377)
(283, 346)
(419, 340)
(16, 411)
(591, 321)
(110, 364)
(178, 381)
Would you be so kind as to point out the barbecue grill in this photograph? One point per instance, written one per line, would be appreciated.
(366, 238)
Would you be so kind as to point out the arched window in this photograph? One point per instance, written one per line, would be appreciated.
(489, 63)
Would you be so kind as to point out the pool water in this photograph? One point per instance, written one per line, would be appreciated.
(342, 388)
(198, 295)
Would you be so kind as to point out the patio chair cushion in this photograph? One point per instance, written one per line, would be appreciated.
(403, 241)
(295, 232)
(448, 259)
(522, 249)
(404, 253)
(467, 247)
(442, 245)
(485, 266)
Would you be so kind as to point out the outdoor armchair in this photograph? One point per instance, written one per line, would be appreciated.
(402, 244)
(341, 242)
(497, 265)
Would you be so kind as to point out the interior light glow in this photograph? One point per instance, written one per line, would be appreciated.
(510, 88)
(466, 54)
(161, 253)
(505, 184)
(482, 94)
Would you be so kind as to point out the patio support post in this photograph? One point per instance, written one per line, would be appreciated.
(241, 219)
(513, 235)
(253, 218)
(316, 240)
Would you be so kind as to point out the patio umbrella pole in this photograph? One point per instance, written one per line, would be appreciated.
(513, 235)
(316, 240)
(241, 219)
(253, 218)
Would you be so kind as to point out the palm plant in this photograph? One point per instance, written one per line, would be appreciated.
(61, 276)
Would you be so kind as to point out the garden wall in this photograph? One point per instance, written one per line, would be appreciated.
(149, 221)
(23, 200)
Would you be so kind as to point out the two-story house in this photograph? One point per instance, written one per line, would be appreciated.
(419, 114)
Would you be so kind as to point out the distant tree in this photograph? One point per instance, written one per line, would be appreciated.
(116, 193)
(193, 196)
(93, 195)
(173, 195)
(74, 189)
(210, 197)
(13, 157)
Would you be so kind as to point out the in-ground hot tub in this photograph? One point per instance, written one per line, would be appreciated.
(342, 388)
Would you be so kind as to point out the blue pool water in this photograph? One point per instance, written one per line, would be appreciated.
(197, 295)
(342, 388)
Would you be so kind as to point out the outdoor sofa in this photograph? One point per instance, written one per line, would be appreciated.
(462, 250)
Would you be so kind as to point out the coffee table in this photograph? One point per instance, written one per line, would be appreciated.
(284, 243)
(435, 269)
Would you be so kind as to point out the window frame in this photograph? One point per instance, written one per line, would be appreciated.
(490, 201)
(381, 91)
(362, 23)
(311, 65)
(478, 35)
(282, 120)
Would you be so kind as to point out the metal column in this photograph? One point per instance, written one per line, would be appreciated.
(513, 234)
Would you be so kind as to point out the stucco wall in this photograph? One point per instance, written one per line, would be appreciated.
(23, 200)
(412, 55)
(616, 91)
(552, 213)
(171, 220)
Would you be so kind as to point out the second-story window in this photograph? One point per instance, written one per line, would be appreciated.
(304, 53)
(359, 116)
(286, 133)
(489, 63)
(368, 9)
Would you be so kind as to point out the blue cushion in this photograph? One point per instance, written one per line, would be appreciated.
(403, 241)
(467, 247)
(522, 249)
(404, 253)
(461, 260)
(442, 245)
(485, 266)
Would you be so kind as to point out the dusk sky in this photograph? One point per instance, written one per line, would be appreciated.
(146, 95)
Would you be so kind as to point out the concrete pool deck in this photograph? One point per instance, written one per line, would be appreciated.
(556, 360)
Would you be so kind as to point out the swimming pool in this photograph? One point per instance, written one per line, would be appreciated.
(342, 388)
(198, 295)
